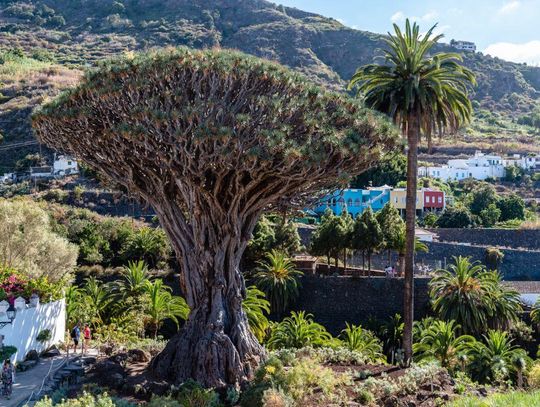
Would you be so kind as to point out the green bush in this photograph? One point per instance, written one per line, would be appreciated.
(44, 335)
(86, 400)
(510, 399)
(297, 331)
(7, 351)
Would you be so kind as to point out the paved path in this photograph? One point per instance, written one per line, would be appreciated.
(31, 380)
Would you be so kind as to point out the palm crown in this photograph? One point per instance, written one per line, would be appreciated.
(412, 83)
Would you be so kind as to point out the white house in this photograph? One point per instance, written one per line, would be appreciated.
(481, 166)
(64, 165)
(41, 172)
(7, 178)
(463, 45)
(528, 163)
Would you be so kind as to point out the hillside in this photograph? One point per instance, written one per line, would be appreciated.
(78, 33)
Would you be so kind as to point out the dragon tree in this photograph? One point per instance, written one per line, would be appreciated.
(212, 139)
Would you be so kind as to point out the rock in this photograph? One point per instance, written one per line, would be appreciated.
(482, 390)
(52, 352)
(26, 365)
(32, 355)
(116, 380)
(139, 355)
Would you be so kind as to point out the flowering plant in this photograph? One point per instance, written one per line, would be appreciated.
(14, 284)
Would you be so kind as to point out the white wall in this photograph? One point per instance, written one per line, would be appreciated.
(29, 322)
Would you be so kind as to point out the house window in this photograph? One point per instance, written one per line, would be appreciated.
(357, 202)
(69, 162)
(349, 202)
(440, 199)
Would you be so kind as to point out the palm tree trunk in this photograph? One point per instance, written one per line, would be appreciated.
(363, 262)
(410, 224)
(401, 264)
(369, 264)
(344, 260)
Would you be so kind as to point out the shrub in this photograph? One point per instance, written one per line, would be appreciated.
(257, 308)
(278, 279)
(193, 394)
(7, 351)
(356, 338)
(44, 336)
(307, 375)
(86, 400)
(533, 376)
(440, 341)
(275, 397)
(297, 331)
(493, 359)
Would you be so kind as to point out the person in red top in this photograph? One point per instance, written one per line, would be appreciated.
(87, 335)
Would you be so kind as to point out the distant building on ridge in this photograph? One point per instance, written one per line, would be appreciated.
(463, 45)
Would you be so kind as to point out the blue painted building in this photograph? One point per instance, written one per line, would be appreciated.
(355, 201)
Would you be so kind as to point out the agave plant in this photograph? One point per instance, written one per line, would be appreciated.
(494, 359)
(278, 279)
(440, 341)
(473, 297)
(257, 307)
(362, 340)
(297, 331)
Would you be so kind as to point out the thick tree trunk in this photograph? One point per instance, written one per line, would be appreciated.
(344, 260)
(215, 347)
(410, 224)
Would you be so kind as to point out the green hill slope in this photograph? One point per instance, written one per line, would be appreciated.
(77, 33)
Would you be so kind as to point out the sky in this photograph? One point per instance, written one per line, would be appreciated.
(509, 29)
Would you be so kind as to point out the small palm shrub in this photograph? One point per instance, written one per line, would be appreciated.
(493, 359)
(278, 279)
(440, 341)
(361, 340)
(163, 305)
(257, 308)
(297, 331)
(473, 297)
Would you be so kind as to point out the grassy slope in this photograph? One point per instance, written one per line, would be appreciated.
(80, 32)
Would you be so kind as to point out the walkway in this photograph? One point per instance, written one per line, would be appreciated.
(31, 381)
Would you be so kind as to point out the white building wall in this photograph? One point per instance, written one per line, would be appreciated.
(28, 323)
(65, 165)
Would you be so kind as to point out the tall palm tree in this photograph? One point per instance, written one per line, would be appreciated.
(278, 279)
(421, 92)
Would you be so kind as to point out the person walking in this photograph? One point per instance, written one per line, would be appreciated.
(87, 336)
(7, 377)
(75, 336)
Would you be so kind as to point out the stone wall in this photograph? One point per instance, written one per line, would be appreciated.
(517, 265)
(336, 300)
(528, 238)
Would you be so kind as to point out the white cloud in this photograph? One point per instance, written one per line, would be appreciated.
(400, 16)
(528, 52)
(397, 17)
(509, 7)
